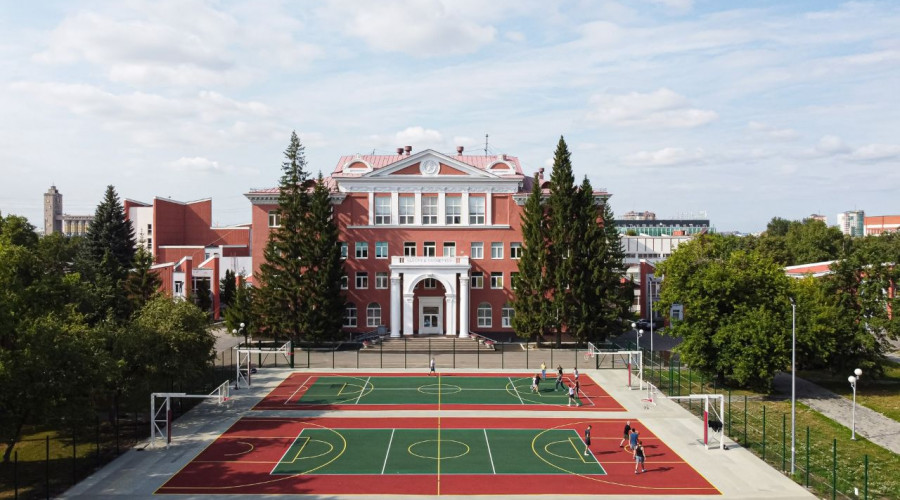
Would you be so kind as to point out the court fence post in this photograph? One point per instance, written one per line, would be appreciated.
(764, 434)
(746, 438)
(332, 358)
(454, 352)
(478, 355)
(381, 352)
(783, 442)
(404, 352)
(834, 469)
(16, 474)
(357, 358)
(74, 459)
(807, 456)
(729, 409)
(866, 477)
(47, 465)
(502, 356)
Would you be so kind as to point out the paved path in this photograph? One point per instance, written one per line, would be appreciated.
(870, 424)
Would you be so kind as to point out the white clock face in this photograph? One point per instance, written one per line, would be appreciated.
(429, 167)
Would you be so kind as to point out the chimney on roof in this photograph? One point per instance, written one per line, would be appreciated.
(400, 150)
(408, 150)
(540, 174)
(459, 150)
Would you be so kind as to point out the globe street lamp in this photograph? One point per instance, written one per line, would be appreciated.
(638, 335)
(241, 330)
(853, 379)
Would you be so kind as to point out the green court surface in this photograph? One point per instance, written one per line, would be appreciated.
(375, 390)
(438, 451)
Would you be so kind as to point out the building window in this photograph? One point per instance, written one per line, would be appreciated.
(274, 218)
(497, 250)
(496, 280)
(407, 210)
(515, 250)
(179, 287)
(477, 280)
(345, 250)
(506, 316)
(381, 249)
(149, 243)
(345, 282)
(453, 210)
(477, 250)
(350, 315)
(429, 249)
(373, 314)
(484, 315)
(382, 210)
(409, 249)
(513, 279)
(362, 280)
(476, 210)
(429, 210)
(362, 250)
(449, 249)
(149, 229)
(429, 283)
(381, 280)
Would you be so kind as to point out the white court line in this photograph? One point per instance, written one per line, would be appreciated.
(362, 390)
(298, 390)
(514, 388)
(491, 456)
(388, 452)
(272, 472)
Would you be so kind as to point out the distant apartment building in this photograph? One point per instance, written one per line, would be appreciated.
(852, 222)
(646, 224)
(879, 224)
(818, 217)
(55, 221)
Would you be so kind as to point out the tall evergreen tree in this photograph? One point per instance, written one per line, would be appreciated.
(105, 258)
(281, 275)
(324, 303)
(562, 212)
(142, 283)
(227, 288)
(608, 270)
(531, 287)
(241, 310)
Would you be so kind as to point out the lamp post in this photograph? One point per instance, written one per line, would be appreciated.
(793, 382)
(637, 337)
(853, 379)
(241, 330)
(650, 298)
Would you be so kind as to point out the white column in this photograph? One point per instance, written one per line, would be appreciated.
(463, 305)
(396, 306)
(395, 208)
(488, 213)
(418, 208)
(450, 308)
(465, 208)
(371, 208)
(442, 210)
(408, 313)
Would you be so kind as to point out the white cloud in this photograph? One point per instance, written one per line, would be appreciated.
(661, 108)
(773, 133)
(422, 28)
(681, 5)
(664, 157)
(196, 164)
(876, 152)
(831, 145)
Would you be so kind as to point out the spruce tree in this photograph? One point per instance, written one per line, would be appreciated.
(281, 275)
(142, 283)
(562, 216)
(530, 288)
(608, 272)
(582, 289)
(227, 288)
(324, 311)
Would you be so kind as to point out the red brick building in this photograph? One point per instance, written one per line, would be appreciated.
(431, 241)
(186, 248)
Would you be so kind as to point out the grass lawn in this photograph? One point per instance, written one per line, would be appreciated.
(882, 395)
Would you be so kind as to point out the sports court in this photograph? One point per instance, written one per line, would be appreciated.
(398, 391)
(431, 456)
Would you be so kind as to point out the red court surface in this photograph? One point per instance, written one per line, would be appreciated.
(243, 459)
(289, 395)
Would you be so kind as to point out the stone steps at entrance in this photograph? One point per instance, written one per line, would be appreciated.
(434, 343)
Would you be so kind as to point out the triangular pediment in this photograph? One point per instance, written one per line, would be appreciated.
(430, 163)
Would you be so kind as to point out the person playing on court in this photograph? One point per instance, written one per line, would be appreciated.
(575, 373)
(535, 385)
(633, 439)
(587, 440)
(431, 368)
(626, 434)
(638, 457)
(572, 396)
(559, 379)
(543, 371)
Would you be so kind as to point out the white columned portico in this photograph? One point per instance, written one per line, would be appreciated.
(463, 305)
(450, 302)
(408, 313)
(396, 306)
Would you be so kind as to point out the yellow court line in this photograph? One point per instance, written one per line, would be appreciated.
(305, 442)
(342, 389)
(577, 453)
(439, 438)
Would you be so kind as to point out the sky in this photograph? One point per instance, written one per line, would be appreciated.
(739, 111)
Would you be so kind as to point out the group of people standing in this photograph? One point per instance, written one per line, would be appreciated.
(573, 387)
(629, 442)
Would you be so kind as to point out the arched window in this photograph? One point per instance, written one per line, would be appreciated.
(373, 314)
(484, 315)
(506, 316)
(350, 315)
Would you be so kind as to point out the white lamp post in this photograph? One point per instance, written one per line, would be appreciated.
(853, 379)
(793, 382)
(241, 330)
(650, 297)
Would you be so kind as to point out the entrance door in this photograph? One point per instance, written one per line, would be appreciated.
(431, 315)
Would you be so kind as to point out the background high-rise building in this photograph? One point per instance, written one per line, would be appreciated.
(852, 222)
(55, 221)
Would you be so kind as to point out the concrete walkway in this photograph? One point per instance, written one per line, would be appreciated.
(870, 424)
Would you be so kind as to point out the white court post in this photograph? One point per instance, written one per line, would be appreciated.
(245, 364)
(161, 419)
(634, 359)
(721, 414)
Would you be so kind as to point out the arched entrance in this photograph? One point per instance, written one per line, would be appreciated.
(425, 291)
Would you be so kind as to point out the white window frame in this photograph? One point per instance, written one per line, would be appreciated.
(429, 283)
(381, 249)
(362, 250)
(515, 250)
(362, 280)
(485, 320)
(350, 315)
(381, 280)
(345, 282)
(496, 250)
(429, 249)
(477, 250)
(477, 280)
(449, 249)
(382, 210)
(373, 314)
(345, 250)
(429, 210)
(274, 218)
(453, 210)
(496, 280)
(477, 210)
(409, 248)
(506, 316)
(406, 210)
